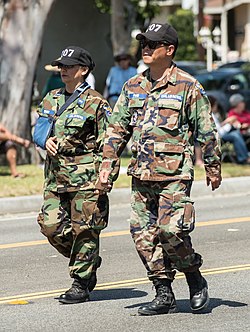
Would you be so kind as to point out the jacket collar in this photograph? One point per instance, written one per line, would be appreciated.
(145, 79)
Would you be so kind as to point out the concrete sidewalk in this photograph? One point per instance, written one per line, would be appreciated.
(229, 186)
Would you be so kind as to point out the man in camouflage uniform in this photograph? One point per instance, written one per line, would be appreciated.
(73, 212)
(163, 109)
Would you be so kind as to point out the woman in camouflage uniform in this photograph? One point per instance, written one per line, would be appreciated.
(73, 212)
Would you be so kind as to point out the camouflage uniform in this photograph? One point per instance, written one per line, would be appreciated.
(162, 119)
(72, 214)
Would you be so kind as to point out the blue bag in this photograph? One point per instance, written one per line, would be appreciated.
(43, 129)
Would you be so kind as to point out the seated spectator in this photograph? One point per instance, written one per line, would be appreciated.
(229, 131)
(239, 112)
(117, 76)
(8, 146)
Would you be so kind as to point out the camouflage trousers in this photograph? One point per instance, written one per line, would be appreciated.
(161, 219)
(72, 222)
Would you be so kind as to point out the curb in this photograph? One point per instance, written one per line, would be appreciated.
(22, 204)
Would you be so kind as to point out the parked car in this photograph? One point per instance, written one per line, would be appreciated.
(191, 67)
(236, 64)
(222, 83)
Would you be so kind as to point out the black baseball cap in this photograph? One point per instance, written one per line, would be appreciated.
(74, 55)
(160, 32)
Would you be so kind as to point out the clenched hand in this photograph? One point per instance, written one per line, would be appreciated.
(51, 146)
(214, 180)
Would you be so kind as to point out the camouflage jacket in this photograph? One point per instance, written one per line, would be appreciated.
(80, 133)
(163, 120)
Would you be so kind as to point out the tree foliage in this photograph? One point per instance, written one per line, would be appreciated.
(104, 6)
(134, 15)
(141, 13)
(183, 21)
(126, 15)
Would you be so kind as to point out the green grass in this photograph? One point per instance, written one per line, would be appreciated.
(32, 184)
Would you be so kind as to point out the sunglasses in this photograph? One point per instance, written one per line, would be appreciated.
(66, 66)
(152, 44)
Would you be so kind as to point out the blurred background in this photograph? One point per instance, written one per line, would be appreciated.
(214, 46)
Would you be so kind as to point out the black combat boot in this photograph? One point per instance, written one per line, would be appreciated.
(198, 288)
(164, 301)
(93, 278)
(77, 293)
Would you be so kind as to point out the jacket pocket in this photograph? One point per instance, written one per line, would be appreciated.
(169, 157)
(186, 222)
(95, 210)
(73, 123)
(136, 111)
(168, 113)
(99, 219)
(76, 171)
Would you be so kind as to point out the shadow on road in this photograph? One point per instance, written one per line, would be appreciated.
(184, 306)
(116, 294)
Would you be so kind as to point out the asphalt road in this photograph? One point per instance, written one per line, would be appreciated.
(33, 274)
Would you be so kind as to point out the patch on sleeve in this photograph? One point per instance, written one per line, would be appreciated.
(200, 87)
(108, 110)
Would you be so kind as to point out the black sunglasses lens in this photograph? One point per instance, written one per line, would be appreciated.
(65, 66)
(150, 43)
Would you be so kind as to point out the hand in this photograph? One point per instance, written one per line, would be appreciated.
(26, 143)
(237, 124)
(231, 119)
(215, 181)
(104, 176)
(51, 146)
(3, 129)
(244, 125)
(103, 185)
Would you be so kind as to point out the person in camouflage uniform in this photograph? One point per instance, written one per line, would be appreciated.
(163, 110)
(74, 212)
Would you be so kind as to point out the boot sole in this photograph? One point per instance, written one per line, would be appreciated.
(205, 305)
(68, 301)
(151, 313)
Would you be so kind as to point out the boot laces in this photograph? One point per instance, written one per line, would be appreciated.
(163, 295)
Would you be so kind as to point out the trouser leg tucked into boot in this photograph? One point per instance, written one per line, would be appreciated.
(77, 293)
(164, 301)
(198, 288)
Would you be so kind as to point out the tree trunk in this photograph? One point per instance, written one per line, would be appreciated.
(21, 30)
(120, 32)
